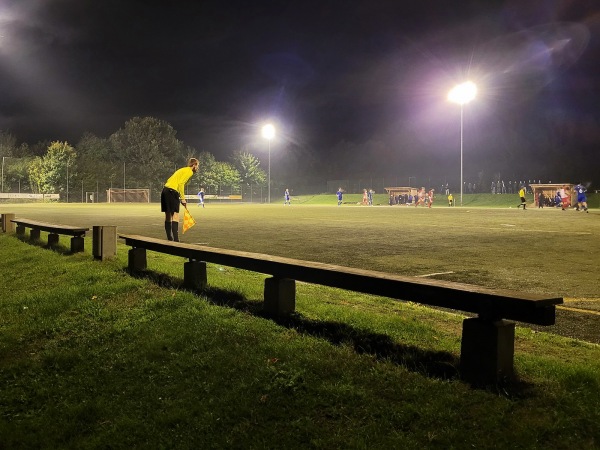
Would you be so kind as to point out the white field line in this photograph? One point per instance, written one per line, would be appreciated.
(584, 311)
(433, 274)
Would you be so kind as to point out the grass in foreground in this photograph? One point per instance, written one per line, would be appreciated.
(91, 357)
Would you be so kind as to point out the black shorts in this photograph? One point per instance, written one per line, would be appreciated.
(169, 201)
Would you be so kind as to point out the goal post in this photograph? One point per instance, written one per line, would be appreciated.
(114, 195)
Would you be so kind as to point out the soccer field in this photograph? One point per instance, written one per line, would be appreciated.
(543, 251)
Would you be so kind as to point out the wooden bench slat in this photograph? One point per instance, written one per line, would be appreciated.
(52, 228)
(460, 296)
(487, 345)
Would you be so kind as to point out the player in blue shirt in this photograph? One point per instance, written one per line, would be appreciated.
(201, 198)
(286, 198)
(581, 198)
(340, 195)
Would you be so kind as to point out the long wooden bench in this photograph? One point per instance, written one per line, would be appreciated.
(487, 347)
(53, 230)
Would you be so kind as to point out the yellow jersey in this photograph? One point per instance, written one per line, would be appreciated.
(178, 180)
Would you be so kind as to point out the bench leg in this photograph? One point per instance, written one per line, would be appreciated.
(20, 230)
(194, 275)
(487, 351)
(137, 259)
(280, 296)
(76, 244)
(34, 234)
(52, 239)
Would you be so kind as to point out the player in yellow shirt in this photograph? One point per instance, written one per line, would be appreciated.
(522, 195)
(173, 195)
(450, 200)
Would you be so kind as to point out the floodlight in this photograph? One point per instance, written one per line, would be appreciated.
(462, 94)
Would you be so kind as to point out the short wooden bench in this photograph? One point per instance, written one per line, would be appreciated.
(487, 348)
(53, 230)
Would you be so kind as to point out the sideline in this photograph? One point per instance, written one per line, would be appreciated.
(578, 310)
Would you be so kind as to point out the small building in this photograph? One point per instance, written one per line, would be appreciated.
(401, 191)
(549, 190)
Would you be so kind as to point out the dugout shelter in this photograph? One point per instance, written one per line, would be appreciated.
(396, 191)
(549, 190)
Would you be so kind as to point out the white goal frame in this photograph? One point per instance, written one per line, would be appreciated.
(116, 195)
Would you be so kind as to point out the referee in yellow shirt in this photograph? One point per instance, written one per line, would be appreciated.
(173, 194)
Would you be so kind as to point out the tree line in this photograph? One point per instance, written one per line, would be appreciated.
(142, 154)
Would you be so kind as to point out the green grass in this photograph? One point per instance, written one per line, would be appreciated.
(91, 357)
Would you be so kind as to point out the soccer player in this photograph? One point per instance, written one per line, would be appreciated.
(523, 201)
(201, 197)
(581, 198)
(450, 200)
(340, 196)
(286, 198)
(564, 198)
(420, 197)
(173, 194)
(430, 195)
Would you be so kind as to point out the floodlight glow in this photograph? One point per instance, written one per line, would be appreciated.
(463, 93)
(268, 131)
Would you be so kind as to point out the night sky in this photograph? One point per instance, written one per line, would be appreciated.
(353, 87)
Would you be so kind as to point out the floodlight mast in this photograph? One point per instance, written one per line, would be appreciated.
(268, 132)
(462, 94)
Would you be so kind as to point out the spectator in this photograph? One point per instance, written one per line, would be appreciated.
(541, 200)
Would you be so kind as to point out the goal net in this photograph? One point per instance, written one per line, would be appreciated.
(114, 195)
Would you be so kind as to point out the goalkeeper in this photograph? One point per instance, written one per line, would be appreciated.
(173, 194)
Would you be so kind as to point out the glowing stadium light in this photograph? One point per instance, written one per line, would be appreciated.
(462, 94)
(268, 132)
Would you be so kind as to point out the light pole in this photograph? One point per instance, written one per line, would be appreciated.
(462, 94)
(268, 132)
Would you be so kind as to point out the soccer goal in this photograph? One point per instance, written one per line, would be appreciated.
(114, 195)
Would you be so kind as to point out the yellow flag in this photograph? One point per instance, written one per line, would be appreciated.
(188, 221)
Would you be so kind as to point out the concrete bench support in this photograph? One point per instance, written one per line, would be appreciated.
(137, 259)
(34, 234)
(194, 275)
(104, 242)
(7, 225)
(20, 230)
(487, 350)
(280, 296)
(77, 244)
(52, 240)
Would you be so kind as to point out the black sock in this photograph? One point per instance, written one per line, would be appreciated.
(168, 230)
(175, 229)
